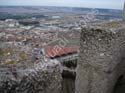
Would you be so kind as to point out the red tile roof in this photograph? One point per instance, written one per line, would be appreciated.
(10, 31)
(53, 51)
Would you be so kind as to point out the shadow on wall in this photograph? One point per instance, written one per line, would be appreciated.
(120, 85)
(68, 83)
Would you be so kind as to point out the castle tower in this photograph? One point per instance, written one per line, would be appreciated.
(124, 12)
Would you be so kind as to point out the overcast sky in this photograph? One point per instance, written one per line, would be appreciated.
(113, 4)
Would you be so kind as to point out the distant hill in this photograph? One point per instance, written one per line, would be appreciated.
(10, 11)
(40, 9)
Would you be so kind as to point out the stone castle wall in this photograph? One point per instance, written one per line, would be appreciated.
(40, 78)
(102, 59)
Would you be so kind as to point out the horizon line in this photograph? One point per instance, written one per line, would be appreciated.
(60, 6)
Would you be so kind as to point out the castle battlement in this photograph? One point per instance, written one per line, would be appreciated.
(102, 56)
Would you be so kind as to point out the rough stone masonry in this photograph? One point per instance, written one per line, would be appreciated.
(42, 77)
(102, 58)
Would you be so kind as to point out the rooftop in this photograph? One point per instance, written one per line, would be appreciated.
(54, 51)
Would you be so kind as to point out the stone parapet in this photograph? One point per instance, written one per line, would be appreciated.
(42, 77)
(101, 52)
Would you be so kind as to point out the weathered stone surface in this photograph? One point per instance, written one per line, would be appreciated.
(100, 65)
(39, 78)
